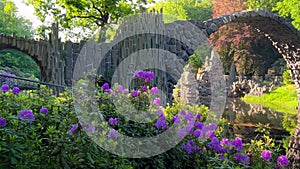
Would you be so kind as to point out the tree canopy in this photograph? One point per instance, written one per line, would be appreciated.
(185, 9)
(11, 23)
(87, 15)
(291, 9)
(262, 4)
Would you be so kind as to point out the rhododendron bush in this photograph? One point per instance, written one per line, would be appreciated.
(38, 130)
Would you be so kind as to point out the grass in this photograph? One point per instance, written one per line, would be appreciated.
(283, 99)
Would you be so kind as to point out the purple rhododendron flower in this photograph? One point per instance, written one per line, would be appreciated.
(243, 159)
(199, 125)
(224, 142)
(190, 147)
(182, 112)
(144, 87)
(16, 90)
(113, 134)
(105, 86)
(189, 116)
(237, 143)
(154, 90)
(176, 119)
(26, 115)
(143, 75)
(266, 155)
(181, 133)
(44, 110)
(91, 128)
(2, 122)
(126, 91)
(221, 156)
(160, 112)
(113, 121)
(161, 123)
(73, 128)
(215, 146)
(283, 161)
(5, 88)
(156, 101)
(8, 74)
(209, 134)
(120, 88)
(213, 126)
(198, 117)
(198, 133)
(135, 93)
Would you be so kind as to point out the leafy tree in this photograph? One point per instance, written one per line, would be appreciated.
(18, 63)
(11, 23)
(251, 52)
(262, 4)
(11, 60)
(85, 15)
(291, 9)
(185, 9)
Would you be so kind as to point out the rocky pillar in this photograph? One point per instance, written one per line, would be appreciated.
(189, 86)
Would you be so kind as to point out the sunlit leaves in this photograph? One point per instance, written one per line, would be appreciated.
(184, 9)
(9, 21)
(290, 8)
(87, 15)
(262, 4)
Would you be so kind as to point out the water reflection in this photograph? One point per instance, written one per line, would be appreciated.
(244, 118)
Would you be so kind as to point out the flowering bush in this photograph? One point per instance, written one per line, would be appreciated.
(42, 131)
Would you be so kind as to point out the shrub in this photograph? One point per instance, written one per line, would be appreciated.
(287, 79)
(196, 62)
(43, 131)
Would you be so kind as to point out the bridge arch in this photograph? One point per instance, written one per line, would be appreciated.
(37, 50)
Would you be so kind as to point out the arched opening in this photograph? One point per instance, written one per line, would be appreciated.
(19, 63)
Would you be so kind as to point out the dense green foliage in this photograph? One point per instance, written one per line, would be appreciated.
(86, 15)
(262, 4)
(53, 135)
(184, 9)
(291, 9)
(18, 63)
(287, 79)
(11, 23)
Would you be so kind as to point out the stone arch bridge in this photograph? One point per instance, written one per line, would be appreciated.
(57, 59)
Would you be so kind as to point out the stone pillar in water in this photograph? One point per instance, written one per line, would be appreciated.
(189, 86)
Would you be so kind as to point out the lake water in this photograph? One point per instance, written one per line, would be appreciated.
(244, 118)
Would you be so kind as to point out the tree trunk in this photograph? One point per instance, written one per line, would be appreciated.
(102, 34)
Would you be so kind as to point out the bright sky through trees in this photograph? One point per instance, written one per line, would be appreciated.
(27, 12)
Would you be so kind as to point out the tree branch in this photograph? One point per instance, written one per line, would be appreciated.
(97, 9)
